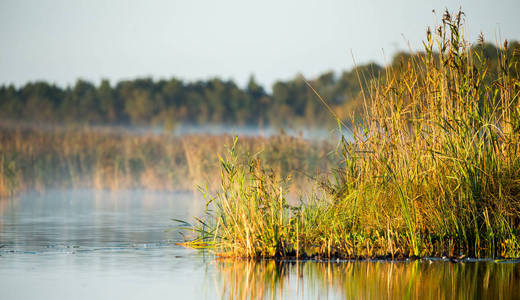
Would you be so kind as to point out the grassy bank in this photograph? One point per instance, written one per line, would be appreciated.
(31, 158)
(433, 170)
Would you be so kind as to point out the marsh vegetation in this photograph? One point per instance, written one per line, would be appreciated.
(433, 169)
(431, 165)
(40, 159)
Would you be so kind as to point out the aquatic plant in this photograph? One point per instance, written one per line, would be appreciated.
(249, 216)
(435, 160)
(43, 158)
(433, 169)
(9, 176)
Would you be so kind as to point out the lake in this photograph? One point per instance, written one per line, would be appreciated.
(91, 244)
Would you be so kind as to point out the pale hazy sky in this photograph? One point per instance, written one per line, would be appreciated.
(61, 41)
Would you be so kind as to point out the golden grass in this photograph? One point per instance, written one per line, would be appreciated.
(433, 170)
(89, 158)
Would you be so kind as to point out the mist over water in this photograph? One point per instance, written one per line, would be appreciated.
(308, 133)
(311, 133)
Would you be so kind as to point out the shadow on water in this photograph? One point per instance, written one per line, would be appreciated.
(423, 279)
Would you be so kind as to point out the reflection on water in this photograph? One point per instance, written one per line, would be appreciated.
(425, 279)
(87, 244)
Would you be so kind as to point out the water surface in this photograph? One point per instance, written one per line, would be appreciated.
(87, 244)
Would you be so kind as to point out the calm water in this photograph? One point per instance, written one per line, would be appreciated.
(107, 245)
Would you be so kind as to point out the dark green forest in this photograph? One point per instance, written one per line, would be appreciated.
(166, 103)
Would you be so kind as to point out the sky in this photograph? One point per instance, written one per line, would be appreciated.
(62, 41)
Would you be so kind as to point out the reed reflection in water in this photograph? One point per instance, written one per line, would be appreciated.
(424, 279)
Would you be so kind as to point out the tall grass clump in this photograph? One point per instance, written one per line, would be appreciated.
(433, 169)
(250, 216)
(435, 161)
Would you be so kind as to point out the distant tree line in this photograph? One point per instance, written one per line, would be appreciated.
(169, 102)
